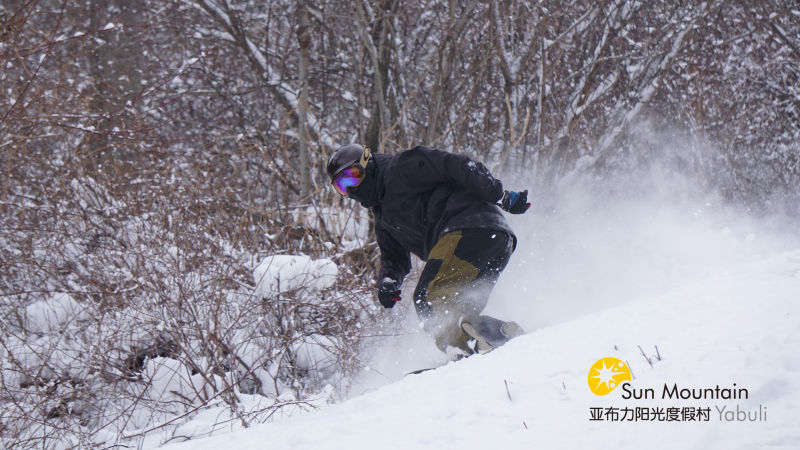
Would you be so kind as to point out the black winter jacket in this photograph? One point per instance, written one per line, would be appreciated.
(423, 194)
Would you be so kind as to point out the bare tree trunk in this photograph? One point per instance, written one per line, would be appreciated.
(542, 90)
(304, 42)
(379, 45)
(114, 67)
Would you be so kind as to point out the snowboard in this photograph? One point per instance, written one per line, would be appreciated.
(417, 372)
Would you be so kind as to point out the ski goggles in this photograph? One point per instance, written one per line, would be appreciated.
(352, 176)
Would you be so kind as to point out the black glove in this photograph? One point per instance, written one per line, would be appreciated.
(388, 292)
(515, 202)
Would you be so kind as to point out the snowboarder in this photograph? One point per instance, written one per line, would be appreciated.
(442, 207)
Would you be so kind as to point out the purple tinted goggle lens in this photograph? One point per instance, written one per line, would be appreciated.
(352, 176)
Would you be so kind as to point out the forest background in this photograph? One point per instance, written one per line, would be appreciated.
(156, 153)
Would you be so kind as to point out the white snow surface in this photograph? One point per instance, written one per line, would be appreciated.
(707, 295)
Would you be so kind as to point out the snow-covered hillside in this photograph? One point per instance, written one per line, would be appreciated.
(685, 292)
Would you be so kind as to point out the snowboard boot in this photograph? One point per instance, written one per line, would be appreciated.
(511, 330)
(488, 333)
(477, 343)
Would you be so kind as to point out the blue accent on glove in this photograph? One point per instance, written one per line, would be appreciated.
(515, 202)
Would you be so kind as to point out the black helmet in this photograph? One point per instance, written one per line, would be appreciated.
(347, 156)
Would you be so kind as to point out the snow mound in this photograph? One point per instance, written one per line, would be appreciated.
(278, 274)
(51, 314)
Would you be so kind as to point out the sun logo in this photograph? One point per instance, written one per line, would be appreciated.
(606, 374)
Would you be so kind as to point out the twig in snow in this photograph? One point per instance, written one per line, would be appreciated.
(507, 391)
(649, 361)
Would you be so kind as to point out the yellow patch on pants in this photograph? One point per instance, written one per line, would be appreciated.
(447, 292)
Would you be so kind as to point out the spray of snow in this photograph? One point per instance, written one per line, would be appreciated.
(590, 248)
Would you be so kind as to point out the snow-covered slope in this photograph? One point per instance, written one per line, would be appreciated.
(710, 302)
